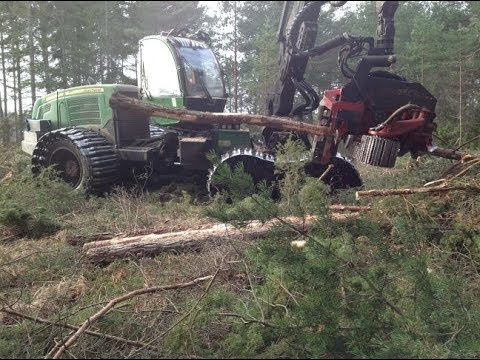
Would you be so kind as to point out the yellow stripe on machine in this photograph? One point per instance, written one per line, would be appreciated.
(75, 92)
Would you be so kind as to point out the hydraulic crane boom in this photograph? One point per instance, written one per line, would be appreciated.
(296, 36)
(386, 25)
(380, 111)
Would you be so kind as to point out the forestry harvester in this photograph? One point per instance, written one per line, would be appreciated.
(93, 145)
(93, 138)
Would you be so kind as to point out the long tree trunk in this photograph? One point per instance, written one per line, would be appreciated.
(63, 50)
(424, 190)
(20, 103)
(4, 75)
(4, 128)
(119, 101)
(45, 59)
(15, 117)
(1, 107)
(108, 57)
(101, 68)
(235, 61)
(31, 48)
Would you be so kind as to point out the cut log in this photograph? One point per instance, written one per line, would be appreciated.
(388, 192)
(119, 101)
(107, 250)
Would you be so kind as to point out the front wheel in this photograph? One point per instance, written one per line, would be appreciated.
(68, 161)
(83, 158)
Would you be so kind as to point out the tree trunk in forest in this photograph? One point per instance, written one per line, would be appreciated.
(235, 50)
(460, 103)
(448, 154)
(107, 46)
(4, 75)
(15, 114)
(63, 54)
(45, 57)
(107, 250)
(281, 123)
(101, 68)
(19, 125)
(33, 85)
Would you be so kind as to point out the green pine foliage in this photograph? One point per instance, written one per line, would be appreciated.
(30, 206)
(394, 283)
(401, 281)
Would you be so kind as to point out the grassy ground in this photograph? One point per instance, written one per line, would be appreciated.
(267, 300)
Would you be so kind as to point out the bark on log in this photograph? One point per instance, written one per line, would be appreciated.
(388, 192)
(108, 250)
(119, 101)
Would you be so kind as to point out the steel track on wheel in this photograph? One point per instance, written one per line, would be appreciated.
(99, 156)
(246, 154)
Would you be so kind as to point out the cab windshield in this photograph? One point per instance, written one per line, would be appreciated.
(201, 71)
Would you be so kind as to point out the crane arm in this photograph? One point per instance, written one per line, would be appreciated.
(296, 36)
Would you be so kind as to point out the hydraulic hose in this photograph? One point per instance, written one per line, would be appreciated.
(394, 114)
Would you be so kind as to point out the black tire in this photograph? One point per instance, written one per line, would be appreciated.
(260, 166)
(342, 176)
(68, 161)
(83, 158)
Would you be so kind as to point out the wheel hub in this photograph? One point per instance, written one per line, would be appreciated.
(68, 166)
(71, 169)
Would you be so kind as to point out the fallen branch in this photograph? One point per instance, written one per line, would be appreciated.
(349, 208)
(71, 340)
(459, 166)
(248, 321)
(448, 154)
(187, 314)
(119, 101)
(468, 166)
(68, 326)
(57, 346)
(437, 183)
(326, 172)
(107, 250)
(428, 190)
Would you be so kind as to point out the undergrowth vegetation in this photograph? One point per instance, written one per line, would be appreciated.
(400, 280)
